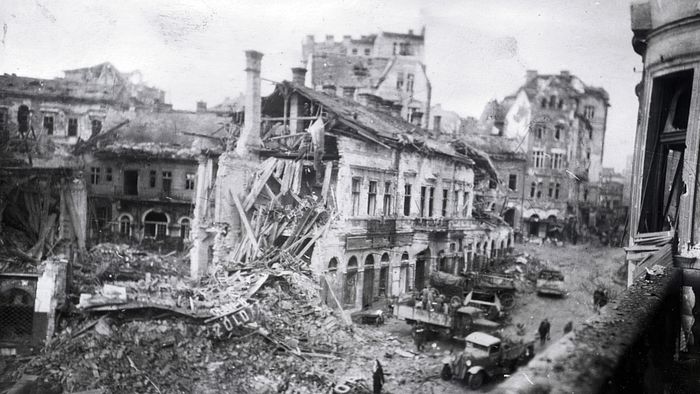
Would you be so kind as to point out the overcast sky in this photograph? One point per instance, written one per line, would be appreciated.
(475, 50)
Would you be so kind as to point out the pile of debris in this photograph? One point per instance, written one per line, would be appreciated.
(256, 324)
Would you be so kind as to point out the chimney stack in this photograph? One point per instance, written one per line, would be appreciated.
(250, 135)
(201, 106)
(565, 73)
(299, 75)
(330, 38)
(530, 75)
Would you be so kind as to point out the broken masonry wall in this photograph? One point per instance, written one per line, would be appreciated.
(74, 209)
(203, 217)
(233, 179)
(50, 293)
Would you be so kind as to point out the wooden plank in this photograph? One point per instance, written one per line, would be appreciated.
(338, 305)
(246, 224)
(314, 239)
(260, 182)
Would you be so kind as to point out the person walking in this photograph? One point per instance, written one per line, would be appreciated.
(377, 377)
(543, 330)
(419, 337)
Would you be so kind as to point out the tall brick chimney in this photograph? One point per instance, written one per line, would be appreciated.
(299, 75)
(250, 134)
(201, 106)
(530, 75)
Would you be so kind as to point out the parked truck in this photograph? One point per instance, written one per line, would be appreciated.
(486, 356)
(459, 286)
(456, 323)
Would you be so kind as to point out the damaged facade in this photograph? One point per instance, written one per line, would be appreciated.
(560, 123)
(385, 70)
(400, 203)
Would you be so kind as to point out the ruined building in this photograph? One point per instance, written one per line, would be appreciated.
(385, 69)
(560, 124)
(400, 203)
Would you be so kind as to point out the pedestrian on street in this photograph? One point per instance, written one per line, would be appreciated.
(439, 302)
(568, 327)
(419, 337)
(377, 377)
(425, 298)
(544, 331)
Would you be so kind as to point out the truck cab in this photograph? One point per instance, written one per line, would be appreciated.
(486, 356)
(487, 302)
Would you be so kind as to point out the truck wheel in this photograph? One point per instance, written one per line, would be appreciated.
(475, 381)
(507, 300)
(456, 301)
(492, 314)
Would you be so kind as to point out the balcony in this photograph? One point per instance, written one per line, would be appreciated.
(431, 224)
(150, 194)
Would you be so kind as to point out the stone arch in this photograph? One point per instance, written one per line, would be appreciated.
(125, 224)
(155, 224)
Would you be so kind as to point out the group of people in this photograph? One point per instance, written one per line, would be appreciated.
(430, 299)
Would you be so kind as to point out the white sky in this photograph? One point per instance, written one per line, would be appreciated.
(475, 50)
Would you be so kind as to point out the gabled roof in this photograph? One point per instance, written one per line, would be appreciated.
(381, 127)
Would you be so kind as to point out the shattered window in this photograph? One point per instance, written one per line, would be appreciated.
(493, 184)
(556, 190)
(155, 225)
(423, 193)
(465, 204)
(409, 82)
(558, 130)
(167, 182)
(533, 189)
(23, 114)
(354, 51)
(189, 181)
(125, 226)
(666, 143)
(48, 124)
(589, 112)
(367, 51)
(431, 199)
(550, 193)
(72, 127)
(539, 131)
(108, 174)
(513, 182)
(185, 228)
(372, 198)
(4, 132)
(445, 200)
(407, 199)
(455, 203)
(94, 175)
(539, 189)
(387, 198)
(356, 196)
(152, 179)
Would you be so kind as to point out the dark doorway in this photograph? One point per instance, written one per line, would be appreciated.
(23, 119)
(383, 278)
(350, 283)
(509, 217)
(368, 282)
(421, 259)
(131, 182)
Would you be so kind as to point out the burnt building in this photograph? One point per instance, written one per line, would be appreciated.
(560, 123)
(401, 201)
(385, 69)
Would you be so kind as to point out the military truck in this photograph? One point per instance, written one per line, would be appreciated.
(550, 282)
(486, 356)
(456, 323)
(457, 287)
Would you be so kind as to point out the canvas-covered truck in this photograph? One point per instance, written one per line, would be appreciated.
(485, 357)
(457, 323)
(551, 282)
(459, 286)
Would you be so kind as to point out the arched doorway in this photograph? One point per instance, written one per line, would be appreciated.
(422, 261)
(404, 280)
(125, 226)
(384, 275)
(155, 225)
(368, 282)
(534, 226)
(349, 290)
(185, 228)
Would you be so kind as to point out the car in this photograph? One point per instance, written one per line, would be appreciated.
(551, 282)
(486, 356)
(487, 302)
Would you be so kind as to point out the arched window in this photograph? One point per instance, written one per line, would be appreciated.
(385, 259)
(349, 289)
(185, 228)
(155, 225)
(552, 101)
(404, 256)
(125, 226)
(369, 260)
(352, 263)
(333, 265)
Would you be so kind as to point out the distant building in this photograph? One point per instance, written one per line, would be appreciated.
(445, 122)
(386, 69)
(560, 123)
